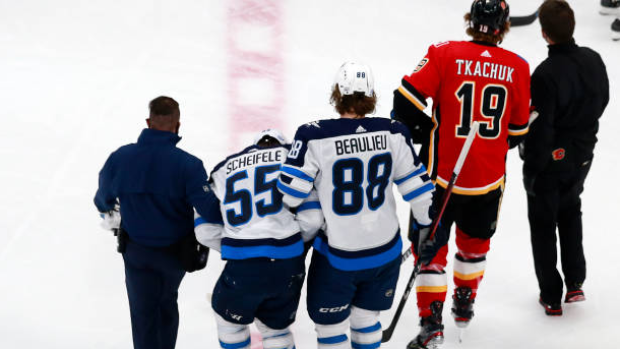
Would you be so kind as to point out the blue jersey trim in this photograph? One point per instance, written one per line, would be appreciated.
(366, 346)
(354, 264)
(417, 192)
(259, 242)
(417, 172)
(369, 329)
(235, 345)
(362, 253)
(291, 191)
(297, 173)
(333, 340)
(309, 206)
(276, 252)
(198, 221)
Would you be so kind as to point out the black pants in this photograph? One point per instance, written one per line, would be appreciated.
(556, 204)
(152, 277)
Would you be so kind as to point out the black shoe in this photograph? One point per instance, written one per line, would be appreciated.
(615, 30)
(574, 294)
(551, 309)
(610, 7)
(462, 306)
(431, 334)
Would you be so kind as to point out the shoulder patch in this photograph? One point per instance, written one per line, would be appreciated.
(421, 65)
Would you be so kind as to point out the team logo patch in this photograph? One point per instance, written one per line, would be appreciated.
(420, 65)
(558, 154)
(389, 293)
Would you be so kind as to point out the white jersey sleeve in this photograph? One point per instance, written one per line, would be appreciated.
(310, 216)
(208, 233)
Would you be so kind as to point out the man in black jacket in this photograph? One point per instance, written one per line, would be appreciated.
(157, 185)
(570, 91)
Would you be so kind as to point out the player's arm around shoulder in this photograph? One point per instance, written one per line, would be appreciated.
(300, 168)
(310, 216)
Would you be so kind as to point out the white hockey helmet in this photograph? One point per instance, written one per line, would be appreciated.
(354, 77)
(273, 133)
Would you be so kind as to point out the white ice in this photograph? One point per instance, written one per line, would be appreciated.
(75, 80)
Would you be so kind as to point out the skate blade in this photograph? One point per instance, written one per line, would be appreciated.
(615, 36)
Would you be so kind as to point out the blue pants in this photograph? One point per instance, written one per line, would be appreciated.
(261, 288)
(332, 292)
(152, 277)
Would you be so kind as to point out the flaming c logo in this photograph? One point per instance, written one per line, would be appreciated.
(558, 154)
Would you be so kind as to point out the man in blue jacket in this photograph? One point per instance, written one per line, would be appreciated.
(157, 186)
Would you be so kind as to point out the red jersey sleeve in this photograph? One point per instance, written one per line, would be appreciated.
(424, 81)
(520, 112)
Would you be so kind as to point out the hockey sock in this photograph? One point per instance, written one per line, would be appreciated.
(365, 328)
(231, 334)
(275, 339)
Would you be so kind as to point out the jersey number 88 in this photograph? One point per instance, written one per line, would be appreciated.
(378, 176)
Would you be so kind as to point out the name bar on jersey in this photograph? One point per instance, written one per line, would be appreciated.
(254, 159)
(361, 144)
(484, 69)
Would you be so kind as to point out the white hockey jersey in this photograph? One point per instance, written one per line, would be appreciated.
(256, 222)
(352, 163)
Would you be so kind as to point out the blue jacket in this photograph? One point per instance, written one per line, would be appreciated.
(157, 185)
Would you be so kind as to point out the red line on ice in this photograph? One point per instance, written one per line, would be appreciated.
(244, 64)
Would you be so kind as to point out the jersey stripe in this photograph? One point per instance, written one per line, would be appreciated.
(419, 191)
(297, 173)
(292, 192)
(472, 191)
(361, 263)
(269, 251)
(309, 205)
(417, 172)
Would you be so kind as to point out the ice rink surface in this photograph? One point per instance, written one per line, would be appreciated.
(76, 78)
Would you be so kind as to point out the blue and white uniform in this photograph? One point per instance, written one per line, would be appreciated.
(264, 245)
(352, 164)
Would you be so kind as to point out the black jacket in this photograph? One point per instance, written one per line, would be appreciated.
(570, 91)
(158, 185)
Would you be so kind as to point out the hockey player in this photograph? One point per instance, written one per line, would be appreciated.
(468, 81)
(263, 244)
(612, 7)
(570, 91)
(353, 162)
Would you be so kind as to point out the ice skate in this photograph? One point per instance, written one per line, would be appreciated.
(615, 29)
(431, 334)
(462, 306)
(610, 7)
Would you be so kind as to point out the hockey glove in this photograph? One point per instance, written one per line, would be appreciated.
(425, 247)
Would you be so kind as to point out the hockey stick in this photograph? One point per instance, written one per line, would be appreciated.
(519, 21)
(387, 333)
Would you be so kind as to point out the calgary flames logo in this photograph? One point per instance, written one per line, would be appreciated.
(558, 154)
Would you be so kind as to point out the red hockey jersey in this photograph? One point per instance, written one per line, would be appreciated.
(470, 81)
